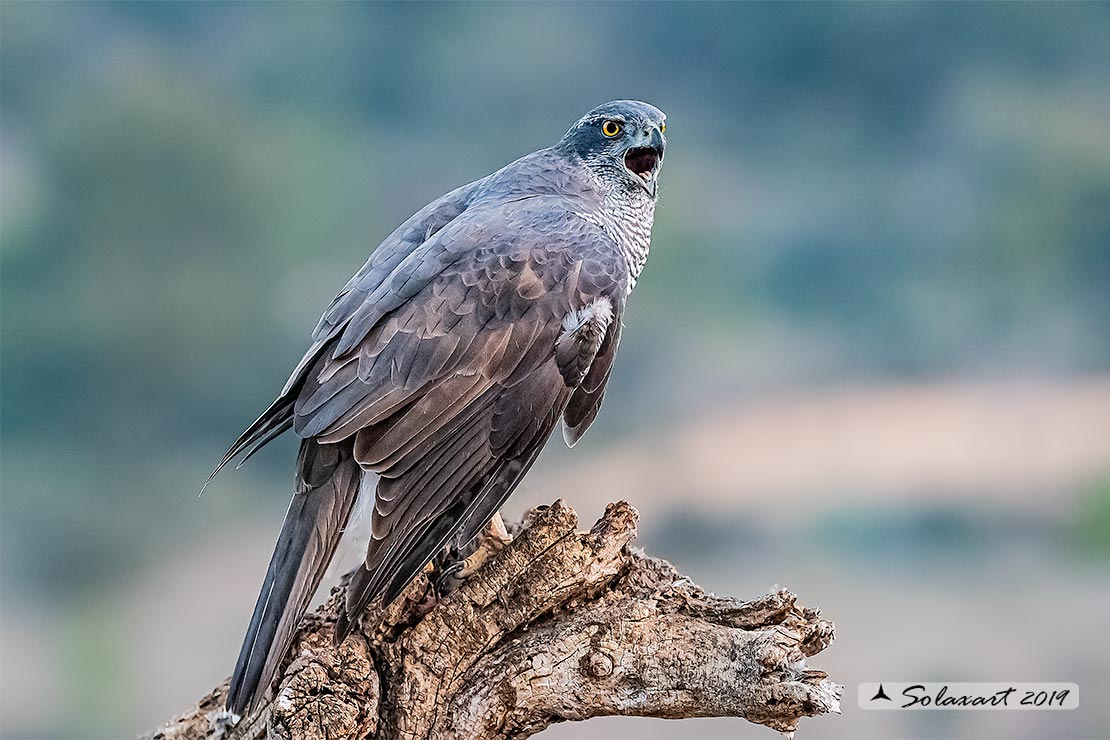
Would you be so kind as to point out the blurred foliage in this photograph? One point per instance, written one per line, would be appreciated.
(909, 189)
(1092, 523)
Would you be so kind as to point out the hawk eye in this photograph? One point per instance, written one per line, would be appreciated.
(663, 129)
(610, 128)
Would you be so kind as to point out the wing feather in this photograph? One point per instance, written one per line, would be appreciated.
(586, 401)
(445, 373)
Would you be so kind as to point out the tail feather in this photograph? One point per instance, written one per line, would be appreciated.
(327, 487)
(274, 421)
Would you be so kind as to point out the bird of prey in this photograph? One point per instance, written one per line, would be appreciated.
(444, 364)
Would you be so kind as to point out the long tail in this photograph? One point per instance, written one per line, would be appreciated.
(327, 487)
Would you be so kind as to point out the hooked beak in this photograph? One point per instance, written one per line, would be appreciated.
(645, 156)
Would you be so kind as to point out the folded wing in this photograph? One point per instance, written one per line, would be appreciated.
(452, 374)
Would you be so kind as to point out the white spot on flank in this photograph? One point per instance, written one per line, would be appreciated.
(599, 311)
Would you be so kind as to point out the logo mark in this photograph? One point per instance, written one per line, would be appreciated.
(880, 694)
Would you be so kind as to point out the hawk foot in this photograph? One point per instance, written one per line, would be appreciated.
(493, 538)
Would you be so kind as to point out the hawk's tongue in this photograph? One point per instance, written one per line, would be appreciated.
(642, 161)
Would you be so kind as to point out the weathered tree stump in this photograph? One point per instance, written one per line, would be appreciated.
(559, 625)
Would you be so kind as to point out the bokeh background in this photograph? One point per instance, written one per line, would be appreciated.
(869, 359)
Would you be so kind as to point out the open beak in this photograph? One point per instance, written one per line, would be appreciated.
(644, 157)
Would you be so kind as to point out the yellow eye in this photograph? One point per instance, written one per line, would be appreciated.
(610, 128)
(663, 129)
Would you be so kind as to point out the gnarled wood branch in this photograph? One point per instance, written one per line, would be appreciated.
(559, 625)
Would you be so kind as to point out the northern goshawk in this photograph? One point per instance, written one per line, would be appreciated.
(444, 364)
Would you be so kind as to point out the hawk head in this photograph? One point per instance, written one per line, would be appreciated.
(622, 141)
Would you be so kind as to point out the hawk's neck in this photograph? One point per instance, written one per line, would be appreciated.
(625, 214)
(627, 218)
(631, 221)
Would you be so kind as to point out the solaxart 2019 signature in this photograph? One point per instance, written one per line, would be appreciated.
(1009, 696)
(987, 695)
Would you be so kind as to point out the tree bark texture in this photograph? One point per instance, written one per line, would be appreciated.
(558, 625)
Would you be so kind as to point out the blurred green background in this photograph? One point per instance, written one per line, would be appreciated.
(869, 359)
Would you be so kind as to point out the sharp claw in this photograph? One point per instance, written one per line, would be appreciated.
(494, 539)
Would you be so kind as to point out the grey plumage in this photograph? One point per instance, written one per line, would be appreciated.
(326, 488)
(445, 363)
